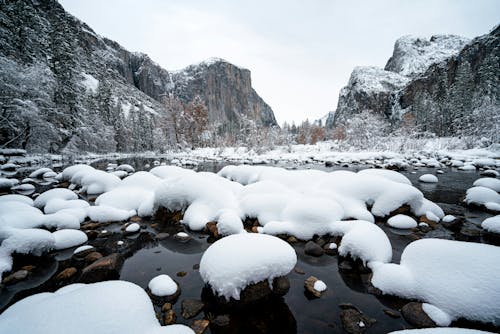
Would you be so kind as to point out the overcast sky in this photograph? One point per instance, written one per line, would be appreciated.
(300, 52)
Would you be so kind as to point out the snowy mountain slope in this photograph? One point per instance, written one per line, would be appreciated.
(447, 85)
(64, 87)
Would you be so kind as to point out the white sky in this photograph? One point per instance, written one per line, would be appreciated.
(300, 52)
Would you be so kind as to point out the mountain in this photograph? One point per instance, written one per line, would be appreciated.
(447, 85)
(65, 88)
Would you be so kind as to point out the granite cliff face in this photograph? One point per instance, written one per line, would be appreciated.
(447, 85)
(64, 87)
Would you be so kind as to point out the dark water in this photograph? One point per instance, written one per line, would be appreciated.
(296, 312)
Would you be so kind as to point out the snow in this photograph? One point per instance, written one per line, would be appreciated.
(413, 55)
(125, 167)
(182, 235)
(386, 173)
(132, 228)
(428, 178)
(233, 262)
(90, 83)
(481, 196)
(56, 193)
(433, 270)
(39, 173)
(162, 285)
(57, 204)
(26, 187)
(105, 213)
(7, 183)
(437, 315)
(68, 238)
(82, 249)
(109, 307)
(488, 182)
(363, 240)
(448, 218)
(370, 79)
(16, 198)
(402, 221)
(97, 181)
(492, 224)
(319, 285)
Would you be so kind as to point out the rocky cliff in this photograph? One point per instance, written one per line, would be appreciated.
(64, 87)
(447, 85)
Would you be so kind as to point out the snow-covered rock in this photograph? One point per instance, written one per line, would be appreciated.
(68, 238)
(56, 193)
(481, 196)
(162, 285)
(428, 178)
(492, 224)
(402, 221)
(232, 263)
(132, 228)
(105, 307)
(488, 182)
(459, 278)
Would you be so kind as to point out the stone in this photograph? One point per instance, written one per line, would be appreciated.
(29, 268)
(309, 286)
(354, 321)
(84, 253)
(190, 308)
(91, 234)
(161, 236)
(330, 251)
(166, 307)
(92, 257)
(254, 292)
(106, 268)
(415, 315)
(391, 313)
(135, 219)
(281, 285)
(90, 226)
(200, 326)
(181, 273)
(66, 274)
(169, 317)
(222, 320)
(211, 228)
(15, 277)
(299, 271)
(313, 249)
(292, 240)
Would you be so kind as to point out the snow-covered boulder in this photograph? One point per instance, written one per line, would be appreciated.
(459, 278)
(105, 307)
(492, 224)
(56, 193)
(482, 196)
(488, 182)
(402, 221)
(236, 261)
(428, 178)
(68, 238)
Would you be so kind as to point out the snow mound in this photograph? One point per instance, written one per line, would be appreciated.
(492, 224)
(68, 238)
(132, 228)
(57, 204)
(363, 240)
(106, 307)
(105, 213)
(488, 182)
(433, 270)
(17, 198)
(428, 178)
(481, 196)
(234, 262)
(402, 221)
(162, 285)
(56, 193)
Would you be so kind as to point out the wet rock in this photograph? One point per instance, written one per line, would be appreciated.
(84, 253)
(190, 308)
(292, 240)
(90, 226)
(254, 292)
(345, 265)
(166, 216)
(313, 249)
(200, 326)
(135, 219)
(328, 164)
(211, 229)
(66, 274)
(299, 271)
(330, 248)
(309, 286)
(320, 241)
(182, 236)
(161, 236)
(165, 301)
(254, 229)
(29, 268)
(392, 314)
(281, 285)
(424, 219)
(181, 273)
(354, 321)
(453, 225)
(415, 315)
(405, 209)
(196, 266)
(169, 317)
(92, 257)
(91, 234)
(106, 268)
(15, 277)
(166, 307)
(469, 234)
(221, 320)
